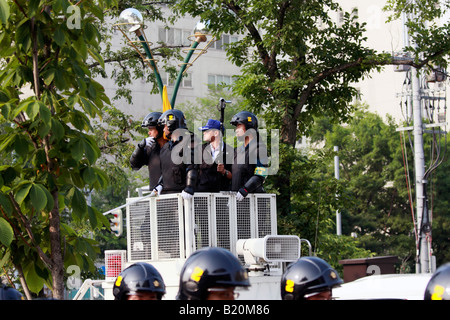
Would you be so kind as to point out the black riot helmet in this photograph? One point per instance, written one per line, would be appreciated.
(308, 276)
(174, 119)
(9, 293)
(247, 118)
(151, 120)
(209, 268)
(138, 277)
(438, 288)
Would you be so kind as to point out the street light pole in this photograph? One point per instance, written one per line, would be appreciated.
(181, 72)
(151, 60)
(133, 20)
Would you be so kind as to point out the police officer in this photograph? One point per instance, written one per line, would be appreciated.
(140, 281)
(250, 161)
(147, 151)
(438, 288)
(215, 170)
(9, 293)
(211, 273)
(309, 278)
(179, 158)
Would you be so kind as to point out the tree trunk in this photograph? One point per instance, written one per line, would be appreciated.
(283, 177)
(23, 282)
(56, 252)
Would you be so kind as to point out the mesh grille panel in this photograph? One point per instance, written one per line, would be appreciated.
(201, 216)
(264, 217)
(168, 228)
(223, 222)
(284, 249)
(244, 230)
(140, 232)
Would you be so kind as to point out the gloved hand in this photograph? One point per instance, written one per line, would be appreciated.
(241, 194)
(146, 142)
(150, 141)
(156, 191)
(187, 193)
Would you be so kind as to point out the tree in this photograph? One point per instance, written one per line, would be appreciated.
(377, 205)
(297, 63)
(46, 136)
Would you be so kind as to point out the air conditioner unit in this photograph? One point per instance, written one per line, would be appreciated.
(271, 248)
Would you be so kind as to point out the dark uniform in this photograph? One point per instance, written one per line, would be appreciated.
(148, 154)
(179, 159)
(250, 161)
(209, 179)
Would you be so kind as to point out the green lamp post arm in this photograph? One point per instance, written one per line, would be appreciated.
(180, 73)
(152, 63)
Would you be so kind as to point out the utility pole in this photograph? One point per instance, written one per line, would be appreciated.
(336, 175)
(423, 261)
(423, 245)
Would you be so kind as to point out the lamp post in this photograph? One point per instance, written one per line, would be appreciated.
(132, 20)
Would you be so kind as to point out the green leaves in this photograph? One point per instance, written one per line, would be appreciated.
(4, 11)
(47, 152)
(6, 232)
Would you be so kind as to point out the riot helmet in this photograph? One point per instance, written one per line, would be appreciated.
(247, 118)
(139, 277)
(306, 277)
(151, 120)
(9, 293)
(174, 119)
(209, 268)
(438, 288)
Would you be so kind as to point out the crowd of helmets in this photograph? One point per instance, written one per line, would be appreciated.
(214, 273)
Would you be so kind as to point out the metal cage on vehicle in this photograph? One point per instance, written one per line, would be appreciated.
(167, 227)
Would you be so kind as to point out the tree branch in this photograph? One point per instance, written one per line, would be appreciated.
(47, 261)
(360, 61)
(263, 54)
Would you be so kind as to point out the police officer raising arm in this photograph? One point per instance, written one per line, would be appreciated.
(179, 166)
(250, 161)
(147, 151)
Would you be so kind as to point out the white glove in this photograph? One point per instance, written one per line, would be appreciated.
(239, 196)
(149, 141)
(156, 191)
(186, 195)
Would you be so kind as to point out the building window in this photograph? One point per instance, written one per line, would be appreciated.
(186, 82)
(217, 80)
(220, 44)
(174, 36)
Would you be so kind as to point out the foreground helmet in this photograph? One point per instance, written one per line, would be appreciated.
(174, 119)
(8, 293)
(247, 118)
(306, 276)
(138, 277)
(208, 268)
(438, 287)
